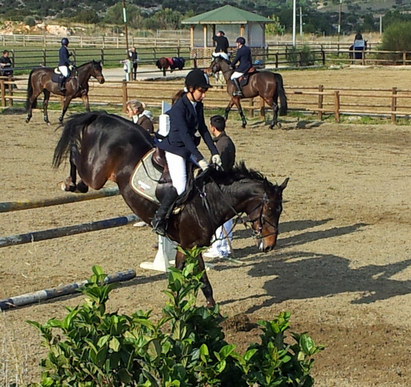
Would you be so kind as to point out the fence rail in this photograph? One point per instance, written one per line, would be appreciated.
(393, 103)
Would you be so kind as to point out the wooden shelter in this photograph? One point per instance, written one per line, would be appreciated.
(234, 22)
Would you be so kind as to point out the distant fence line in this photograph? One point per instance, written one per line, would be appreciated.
(393, 103)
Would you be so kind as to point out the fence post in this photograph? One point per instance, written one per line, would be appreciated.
(252, 108)
(320, 102)
(323, 56)
(337, 105)
(44, 57)
(3, 93)
(10, 90)
(276, 60)
(125, 96)
(262, 108)
(394, 105)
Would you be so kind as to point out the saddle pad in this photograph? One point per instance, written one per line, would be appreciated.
(145, 177)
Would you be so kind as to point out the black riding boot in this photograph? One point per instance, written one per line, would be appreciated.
(159, 221)
(237, 86)
(62, 84)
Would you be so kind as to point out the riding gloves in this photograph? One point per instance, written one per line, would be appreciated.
(216, 159)
(203, 164)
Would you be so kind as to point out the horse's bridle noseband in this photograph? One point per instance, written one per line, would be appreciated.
(261, 218)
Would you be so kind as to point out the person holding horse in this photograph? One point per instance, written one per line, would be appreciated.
(64, 63)
(243, 56)
(136, 110)
(221, 245)
(187, 127)
(222, 45)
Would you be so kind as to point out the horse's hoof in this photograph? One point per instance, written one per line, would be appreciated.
(67, 187)
(27, 120)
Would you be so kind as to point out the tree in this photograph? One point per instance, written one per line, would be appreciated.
(397, 37)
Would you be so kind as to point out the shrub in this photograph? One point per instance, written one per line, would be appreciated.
(185, 348)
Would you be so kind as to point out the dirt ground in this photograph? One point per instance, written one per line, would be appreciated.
(342, 265)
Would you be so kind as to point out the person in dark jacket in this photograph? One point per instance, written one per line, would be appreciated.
(133, 56)
(222, 45)
(221, 246)
(5, 64)
(186, 128)
(64, 63)
(244, 57)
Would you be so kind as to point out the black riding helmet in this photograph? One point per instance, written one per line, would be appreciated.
(197, 78)
(240, 40)
(64, 41)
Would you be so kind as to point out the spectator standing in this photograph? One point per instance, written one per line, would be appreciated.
(133, 56)
(64, 63)
(222, 45)
(243, 56)
(136, 110)
(5, 64)
(221, 246)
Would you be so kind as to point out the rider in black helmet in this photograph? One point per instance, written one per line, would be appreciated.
(244, 57)
(64, 63)
(187, 127)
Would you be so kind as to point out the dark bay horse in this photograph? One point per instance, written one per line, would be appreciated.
(40, 80)
(173, 63)
(266, 84)
(104, 146)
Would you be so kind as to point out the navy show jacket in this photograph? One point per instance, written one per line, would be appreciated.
(184, 123)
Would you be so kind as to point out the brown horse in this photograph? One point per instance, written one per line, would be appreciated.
(41, 80)
(105, 147)
(266, 84)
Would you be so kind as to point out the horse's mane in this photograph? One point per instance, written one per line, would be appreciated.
(223, 178)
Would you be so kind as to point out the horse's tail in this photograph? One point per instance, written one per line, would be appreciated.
(30, 93)
(72, 134)
(281, 93)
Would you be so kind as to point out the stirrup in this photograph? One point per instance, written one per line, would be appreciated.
(237, 93)
(159, 226)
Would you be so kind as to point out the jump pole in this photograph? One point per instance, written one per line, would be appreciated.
(28, 204)
(46, 294)
(66, 231)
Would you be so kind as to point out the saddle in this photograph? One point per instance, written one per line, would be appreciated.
(151, 177)
(245, 78)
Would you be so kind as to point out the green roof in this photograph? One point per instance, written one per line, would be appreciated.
(226, 15)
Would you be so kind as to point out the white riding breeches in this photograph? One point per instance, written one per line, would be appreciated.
(178, 171)
(236, 74)
(64, 70)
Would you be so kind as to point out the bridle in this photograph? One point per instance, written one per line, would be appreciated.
(212, 70)
(261, 218)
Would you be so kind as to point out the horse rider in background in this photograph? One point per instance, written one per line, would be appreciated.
(243, 56)
(64, 63)
(222, 46)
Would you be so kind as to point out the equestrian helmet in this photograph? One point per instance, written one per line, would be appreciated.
(64, 41)
(240, 40)
(197, 78)
(221, 32)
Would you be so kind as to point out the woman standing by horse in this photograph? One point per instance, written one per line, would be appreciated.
(186, 126)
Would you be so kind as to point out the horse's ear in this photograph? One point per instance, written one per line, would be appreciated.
(284, 183)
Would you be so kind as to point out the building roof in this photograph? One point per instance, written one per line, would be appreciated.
(226, 15)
